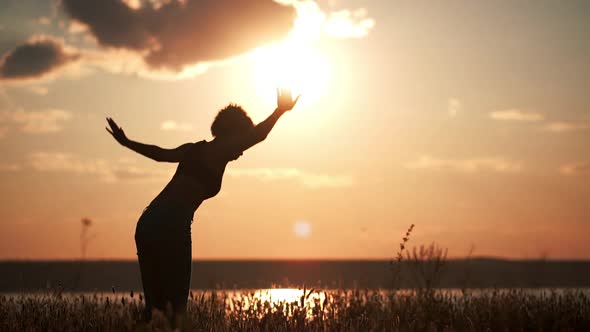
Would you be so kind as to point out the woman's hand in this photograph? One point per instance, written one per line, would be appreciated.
(285, 101)
(117, 132)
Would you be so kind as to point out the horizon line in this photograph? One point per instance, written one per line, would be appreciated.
(94, 260)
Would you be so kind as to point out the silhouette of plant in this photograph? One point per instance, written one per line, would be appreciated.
(396, 264)
(85, 238)
(426, 265)
(341, 310)
(466, 278)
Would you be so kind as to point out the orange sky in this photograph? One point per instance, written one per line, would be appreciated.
(469, 120)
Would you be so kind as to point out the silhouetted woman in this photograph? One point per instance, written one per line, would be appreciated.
(163, 232)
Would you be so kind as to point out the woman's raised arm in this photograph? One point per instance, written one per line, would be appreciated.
(285, 102)
(151, 151)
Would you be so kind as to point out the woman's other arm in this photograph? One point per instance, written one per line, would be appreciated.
(285, 102)
(151, 151)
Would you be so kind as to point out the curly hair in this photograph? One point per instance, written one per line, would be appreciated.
(230, 120)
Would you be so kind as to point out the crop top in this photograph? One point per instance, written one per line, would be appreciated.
(205, 166)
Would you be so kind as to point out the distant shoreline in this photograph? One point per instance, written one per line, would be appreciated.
(482, 258)
(102, 275)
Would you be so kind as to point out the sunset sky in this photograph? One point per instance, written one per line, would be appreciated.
(469, 119)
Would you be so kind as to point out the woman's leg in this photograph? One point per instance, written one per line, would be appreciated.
(149, 275)
(176, 275)
(165, 259)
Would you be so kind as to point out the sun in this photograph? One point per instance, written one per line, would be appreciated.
(294, 65)
(302, 229)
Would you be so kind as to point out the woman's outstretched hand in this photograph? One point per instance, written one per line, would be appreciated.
(117, 132)
(285, 101)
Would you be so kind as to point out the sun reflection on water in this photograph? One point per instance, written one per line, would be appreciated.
(279, 295)
(275, 298)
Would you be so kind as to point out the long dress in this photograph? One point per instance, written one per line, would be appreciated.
(163, 232)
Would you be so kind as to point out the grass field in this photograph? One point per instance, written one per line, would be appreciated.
(301, 310)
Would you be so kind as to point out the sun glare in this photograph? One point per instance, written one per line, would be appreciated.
(302, 229)
(293, 65)
(277, 295)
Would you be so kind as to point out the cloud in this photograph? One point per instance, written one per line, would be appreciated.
(132, 173)
(39, 90)
(173, 34)
(313, 23)
(348, 24)
(134, 4)
(556, 127)
(517, 115)
(563, 127)
(105, 171)
(44, 20)
(76, 27)
(36, 58)
(175, 126)
(496, 165)
(453, 106)
(309, 180)
(174, 39)
(575, 168)
(125, 171)
(10, 167)
(62, 162)
(36, 122)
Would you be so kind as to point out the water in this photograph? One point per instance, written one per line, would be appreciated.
(276, 296)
